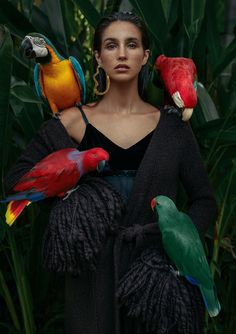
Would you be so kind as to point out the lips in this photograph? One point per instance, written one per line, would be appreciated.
(122, 66)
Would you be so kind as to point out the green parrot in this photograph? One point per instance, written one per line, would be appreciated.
(182, 244)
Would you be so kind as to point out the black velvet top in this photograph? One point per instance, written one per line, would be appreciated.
(119, 158)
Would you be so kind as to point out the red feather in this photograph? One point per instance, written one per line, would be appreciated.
(178, 75)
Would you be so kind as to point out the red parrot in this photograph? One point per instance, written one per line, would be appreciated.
(179, 77)
(52, 176)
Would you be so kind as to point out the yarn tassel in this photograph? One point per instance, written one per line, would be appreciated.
(79, 226)
(163, 301)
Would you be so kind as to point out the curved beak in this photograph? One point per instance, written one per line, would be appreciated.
(101, 165)
(153, 203)
(27, 48)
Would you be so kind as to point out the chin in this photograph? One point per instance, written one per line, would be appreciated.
(123, 77)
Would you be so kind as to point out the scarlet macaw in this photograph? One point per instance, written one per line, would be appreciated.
(54, 175)
(182, 244)
(57, 80)
(179, 78)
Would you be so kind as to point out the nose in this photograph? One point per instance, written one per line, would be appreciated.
(122, 53)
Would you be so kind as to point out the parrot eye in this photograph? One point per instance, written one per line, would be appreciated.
(39, 41)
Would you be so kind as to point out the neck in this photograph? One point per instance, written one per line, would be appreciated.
(122, 97)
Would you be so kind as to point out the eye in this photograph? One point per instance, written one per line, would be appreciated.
(39, 41)
(110, 46)
(132, 45)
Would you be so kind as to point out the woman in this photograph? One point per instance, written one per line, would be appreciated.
(150, 151)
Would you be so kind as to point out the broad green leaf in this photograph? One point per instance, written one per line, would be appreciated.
(25, 94)
(112, 6)
(28, 116)
(154, 17)
(70, 19)
(227, 133)
(41, 21)
(27, 7)
(6, 50)
(207, 105)
(89, 12)
(170, 9)
(212, 33)
(14, 19)
(227, 56)
(52, 8)
(193, 14)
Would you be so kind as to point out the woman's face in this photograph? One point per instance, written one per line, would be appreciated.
(122, 55)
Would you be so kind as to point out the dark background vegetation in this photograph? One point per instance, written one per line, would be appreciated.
(31, 300)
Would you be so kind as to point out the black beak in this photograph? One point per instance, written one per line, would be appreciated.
(27, 48)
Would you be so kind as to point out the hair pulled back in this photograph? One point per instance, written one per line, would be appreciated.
(97, 43)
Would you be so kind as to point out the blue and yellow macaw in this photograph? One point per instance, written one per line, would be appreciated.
(58, 81)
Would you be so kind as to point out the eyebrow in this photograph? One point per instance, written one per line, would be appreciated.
(129, 39)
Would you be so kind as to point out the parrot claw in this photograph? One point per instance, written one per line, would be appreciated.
(173, 110)
(56, 115)
(69, 192)
(174, 271)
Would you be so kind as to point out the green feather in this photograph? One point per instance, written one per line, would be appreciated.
(183, 245)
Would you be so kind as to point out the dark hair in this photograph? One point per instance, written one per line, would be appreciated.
(97, 42)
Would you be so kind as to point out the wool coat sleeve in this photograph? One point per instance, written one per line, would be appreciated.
(202, 204)
(51, 137)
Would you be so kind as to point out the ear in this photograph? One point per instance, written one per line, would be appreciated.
(97, 57)
(146, 56)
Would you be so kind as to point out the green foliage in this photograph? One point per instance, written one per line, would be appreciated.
(177, 28)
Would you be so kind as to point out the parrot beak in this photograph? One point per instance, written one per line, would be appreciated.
(186, 114)
(153, 203)
(101, 165)
(27, 48)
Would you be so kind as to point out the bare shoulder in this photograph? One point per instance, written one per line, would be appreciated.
(73, 121)
(70, 116)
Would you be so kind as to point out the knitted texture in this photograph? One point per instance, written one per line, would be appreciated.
(152, 292)
(79, 226)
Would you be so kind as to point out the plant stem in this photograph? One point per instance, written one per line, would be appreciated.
(9, 302)
(21, 287)
(218, 227)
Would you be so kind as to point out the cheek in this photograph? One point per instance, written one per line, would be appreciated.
(138, 60)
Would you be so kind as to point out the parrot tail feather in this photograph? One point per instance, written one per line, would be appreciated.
(211, 301)
(192, 280)
(14, 209)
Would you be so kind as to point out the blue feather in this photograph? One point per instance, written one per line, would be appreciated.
(30, 196)
(36, 81)
(192, 280)
(38, 88)
(78, 69)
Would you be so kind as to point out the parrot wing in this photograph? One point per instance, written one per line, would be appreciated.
(38, 82)
(79, 75)
(188, 254)
(49, 178)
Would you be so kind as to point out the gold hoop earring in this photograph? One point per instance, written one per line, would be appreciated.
(96, 84)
